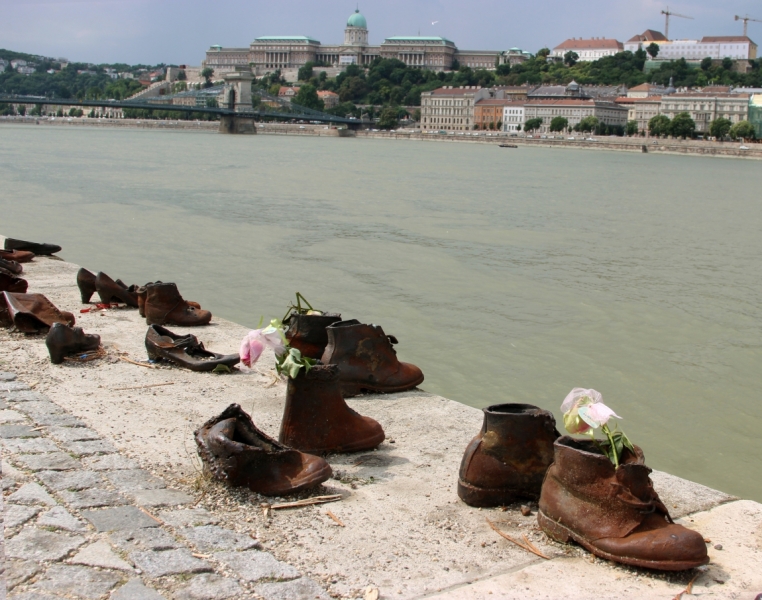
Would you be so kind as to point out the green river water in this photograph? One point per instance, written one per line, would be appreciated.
(507, 275)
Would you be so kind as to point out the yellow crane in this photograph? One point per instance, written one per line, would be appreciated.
(668, 13)
(746, 20)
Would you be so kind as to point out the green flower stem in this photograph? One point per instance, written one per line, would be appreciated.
(607, 431)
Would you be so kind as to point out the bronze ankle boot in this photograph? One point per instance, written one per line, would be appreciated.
(165, 306)
(507, 461)
(11, 266)
(86, 285)
(115, 291)
(614, 513)
(38, 249)
(233, 450)
(63, 340)
(367, 360)
(10, 283)
(307, 333)
(141, 293)
(31, 313)
(317, 420)
(19, 256)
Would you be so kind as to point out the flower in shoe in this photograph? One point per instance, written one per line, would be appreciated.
(257, 340)
(596, 415)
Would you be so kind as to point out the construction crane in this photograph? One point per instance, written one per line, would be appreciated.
(746, 20)
(669, 14)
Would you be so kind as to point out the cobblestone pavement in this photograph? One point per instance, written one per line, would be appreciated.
(83, 521)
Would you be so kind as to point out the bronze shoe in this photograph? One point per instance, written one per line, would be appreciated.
(63, 340)
(10, 283)
(31, 313)
(307, 333)
(614, 513)
(19, 256)
(233, 450)
(185, 351)
(115, 291)
(141, 294)
(11, 266)
(507, 461)
(317, 420)
(165, 306)
(367, 360)
(38, 249)
(86, 285)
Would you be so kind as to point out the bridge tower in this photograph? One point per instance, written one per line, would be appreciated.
(237, 97)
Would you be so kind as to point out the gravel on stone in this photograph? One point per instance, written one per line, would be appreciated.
(16, 515)
(54, 461)
(134, 589)
(168, 562)
(100, 554)
(134, 479)
(32, 493)
(58, 419)
(91, 447)
(38, 544)
(60, 518)
(254, 565)
(18, 571)
(72, 434)
(161, 497)
(210, 538)
(121, 517)
(70, 480)
(18, 431)
(28, 445)
(92, 498)
(188, 517)
(209, 586)
(151, 538)
(11, 416)
(297, 589)
(82, 582)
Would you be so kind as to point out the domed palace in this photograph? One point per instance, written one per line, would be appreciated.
(289, 52)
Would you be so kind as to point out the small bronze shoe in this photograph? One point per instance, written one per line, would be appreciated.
(64, 340)
(86, 285)
(11, 266)
(31, 313)
(142, 291)
(10, 283)
(185, 351)
(233, 450)
(115, 291)
(165, 306)
(38, 249)
(19, 256)
(615, 513)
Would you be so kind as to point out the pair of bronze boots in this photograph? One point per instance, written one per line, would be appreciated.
(316, 420)
(364, 354)
(614, 513)
(10, 269)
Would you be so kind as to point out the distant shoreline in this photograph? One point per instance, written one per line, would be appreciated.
(619, 144)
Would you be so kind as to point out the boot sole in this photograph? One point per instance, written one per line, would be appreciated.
(366, 444)
(478, 496)
(560, 533)
(350, 390)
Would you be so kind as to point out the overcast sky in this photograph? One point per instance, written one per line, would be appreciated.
(179, 31)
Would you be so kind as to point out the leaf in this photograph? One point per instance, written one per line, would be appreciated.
(219, 369)
(291, 362)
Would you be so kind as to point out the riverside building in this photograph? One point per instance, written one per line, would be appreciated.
(735, 47)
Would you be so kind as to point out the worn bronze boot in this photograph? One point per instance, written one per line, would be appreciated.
(185, 351)
(10, 283)
(317, 420)
(367, 360)
(31, 313)
(233, 450)
(141, 294)
(614, 513)
(165, 306)
(11, 266)
(307, 333)
(507, 461)
(86, 285)
(19, 256)
(115, 291)
(64, 340)
(38, 249)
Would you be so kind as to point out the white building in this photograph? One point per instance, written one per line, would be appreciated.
(735, 47)
(513, 116)
(588, 49)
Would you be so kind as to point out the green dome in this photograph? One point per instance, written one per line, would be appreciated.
(357, 20)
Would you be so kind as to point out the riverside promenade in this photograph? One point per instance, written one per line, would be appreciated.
(104, 495)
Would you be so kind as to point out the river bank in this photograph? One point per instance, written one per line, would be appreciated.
(612, 143)
(404, 530)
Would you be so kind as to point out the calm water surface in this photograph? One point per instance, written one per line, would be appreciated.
(507, 275)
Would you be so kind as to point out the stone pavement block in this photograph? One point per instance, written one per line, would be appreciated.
(134, 479)
(38, 544)
(53, 461)
(92, 498)
(153, 538)
(15, 386)
(253, 565)
(83, 582)
(29, 445)
(109, 462)
(100, 554)
(6, 376)
(135, 590)
(35, 596)
(11, 416)
(683, 497)
(32, 493)
(168, 562)
(209, 586)
(39, 407)
(119, 518)
(18, 571)
(3, 404)
(297, 589)
(91, 447)
(188, 517)
(23, 395)
(16, 515)
(72, 434)
(60, 518)
(161, 497)
(63, 420)
(209, 538)
(70, 480)
(18, 431)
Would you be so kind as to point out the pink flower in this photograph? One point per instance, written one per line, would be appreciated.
(584, 410)
(597, 414)
(257, 340)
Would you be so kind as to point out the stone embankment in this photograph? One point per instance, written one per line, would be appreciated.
(102, 483)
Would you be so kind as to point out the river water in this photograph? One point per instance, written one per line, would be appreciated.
(507, 275)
